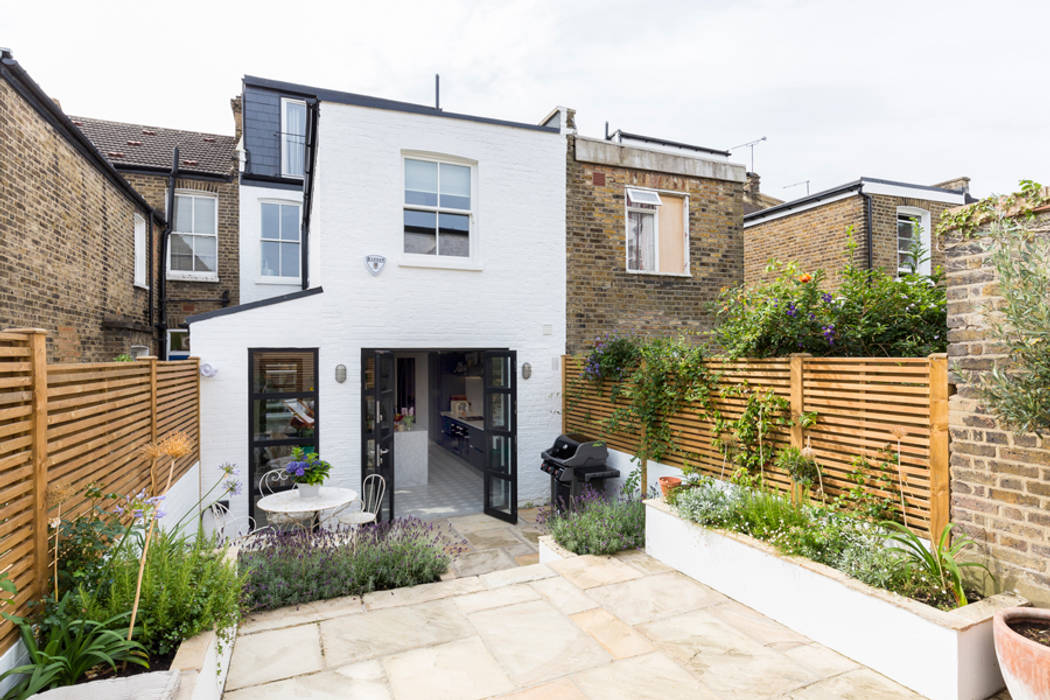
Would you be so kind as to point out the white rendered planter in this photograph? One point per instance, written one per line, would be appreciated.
(552, 551)
(936, 653)
(203, 666)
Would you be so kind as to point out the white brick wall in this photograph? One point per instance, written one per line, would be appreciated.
(253, 287)
(518, 290)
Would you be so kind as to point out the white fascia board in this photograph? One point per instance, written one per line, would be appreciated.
(795, 210)
(930, 195)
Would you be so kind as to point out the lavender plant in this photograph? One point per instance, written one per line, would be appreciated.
(593, 525)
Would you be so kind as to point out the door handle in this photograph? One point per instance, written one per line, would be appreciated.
(382, 451)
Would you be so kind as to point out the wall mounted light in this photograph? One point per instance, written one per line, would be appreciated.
(526, 370)
(208, 369)
(340, 373)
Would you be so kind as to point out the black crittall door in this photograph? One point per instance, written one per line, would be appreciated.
(378, 392)
(501, 459)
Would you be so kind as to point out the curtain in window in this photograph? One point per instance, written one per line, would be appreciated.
(295, 137)
(641, 242)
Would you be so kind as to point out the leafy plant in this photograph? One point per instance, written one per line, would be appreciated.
(800, 466)
(1019, 391)
(748, 440)
(594, 525)
(869, 497)
(940, 561)
(611, 358)
(85, 542)
(67, 651)
(307, 467)
(299, 566)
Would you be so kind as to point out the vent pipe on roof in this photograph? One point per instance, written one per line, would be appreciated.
(437, 92)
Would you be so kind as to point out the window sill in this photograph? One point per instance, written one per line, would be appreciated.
(287, 281)
(145, 287)
(436, 262)
(183, 277)
(658, 274)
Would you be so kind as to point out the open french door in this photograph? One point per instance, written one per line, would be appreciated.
(378, 392)
(501, 465)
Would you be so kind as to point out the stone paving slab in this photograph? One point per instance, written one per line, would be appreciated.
(594, 628)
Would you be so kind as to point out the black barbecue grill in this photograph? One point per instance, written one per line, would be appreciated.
(573, 461)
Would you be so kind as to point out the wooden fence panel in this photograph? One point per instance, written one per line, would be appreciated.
(67, 425)
(862, 404)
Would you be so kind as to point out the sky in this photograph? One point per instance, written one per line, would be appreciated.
(914, 91)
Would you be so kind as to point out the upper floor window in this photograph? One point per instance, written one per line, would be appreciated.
(437, 208)
(194, 239)
(293, 137)
(280, 239)
(657, 232)
(140, 252)
(913, 241)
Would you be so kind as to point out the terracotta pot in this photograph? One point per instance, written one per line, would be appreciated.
(667, 483)
(1025, 664)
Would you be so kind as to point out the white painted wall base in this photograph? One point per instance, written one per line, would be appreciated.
(936, 653)
(12, 658)
(552, 551)
(411, 462)
(203, 666)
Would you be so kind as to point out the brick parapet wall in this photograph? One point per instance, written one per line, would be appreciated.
(67, 235)
(204, 296)
(602, 297)
(1000, 481)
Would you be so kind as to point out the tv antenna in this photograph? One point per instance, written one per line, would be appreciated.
(797, 184)
(750, 145)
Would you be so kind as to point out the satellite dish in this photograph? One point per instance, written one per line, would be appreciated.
(208, 370)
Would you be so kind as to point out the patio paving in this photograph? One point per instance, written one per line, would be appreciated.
(584, 628)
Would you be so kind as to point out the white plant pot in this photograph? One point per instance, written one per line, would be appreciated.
(308, 490)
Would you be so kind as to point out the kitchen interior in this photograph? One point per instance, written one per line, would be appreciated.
(439, 439)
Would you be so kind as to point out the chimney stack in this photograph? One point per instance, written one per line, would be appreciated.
(958, 184)
(753, 185)
(238, 118)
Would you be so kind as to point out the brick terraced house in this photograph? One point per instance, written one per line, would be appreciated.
(202, 261)
(77, 239)
(653, 232)
(885, 217)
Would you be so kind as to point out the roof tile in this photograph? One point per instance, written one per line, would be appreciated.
(209, 154)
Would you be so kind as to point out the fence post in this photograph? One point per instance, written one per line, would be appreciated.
(152, 360)
(940, 491)
(564, 390)
(38, 359)
(798, 362)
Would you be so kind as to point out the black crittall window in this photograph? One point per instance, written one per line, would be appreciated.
(282, 410)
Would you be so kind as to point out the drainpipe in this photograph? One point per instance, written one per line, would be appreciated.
(149, 259)
(308, 187)
(869, 237)
(163, 286)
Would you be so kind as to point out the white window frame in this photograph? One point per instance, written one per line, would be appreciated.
(687, 264)
(923, 215)
(446, 262)
(276, 279)
(193, 275)
(141, 274)
(167, 345)
(284, 138)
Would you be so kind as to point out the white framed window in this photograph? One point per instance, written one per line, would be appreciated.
(279, 253)
(140, 252)
(438, 208)
(657, 224)
(913, 228)
(193, 249)
(178, 343)
(293, 137)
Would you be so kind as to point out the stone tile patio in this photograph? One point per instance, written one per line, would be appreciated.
(590, 627)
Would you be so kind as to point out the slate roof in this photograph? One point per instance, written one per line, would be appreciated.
(138, 146)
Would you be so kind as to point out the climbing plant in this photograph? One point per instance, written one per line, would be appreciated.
(970, 220)
(747, 441)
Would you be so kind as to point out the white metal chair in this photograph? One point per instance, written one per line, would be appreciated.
(271, 482)
(373, 488)
(224, 525)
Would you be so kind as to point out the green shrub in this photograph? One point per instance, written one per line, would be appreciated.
(873, 313)
(299, 566)
(593, 525)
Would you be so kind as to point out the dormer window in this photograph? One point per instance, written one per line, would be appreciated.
(293, 137)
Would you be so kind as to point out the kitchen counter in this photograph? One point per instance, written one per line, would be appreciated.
(476, 424)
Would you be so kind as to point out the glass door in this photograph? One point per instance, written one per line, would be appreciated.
(378, 394)
(501, 459)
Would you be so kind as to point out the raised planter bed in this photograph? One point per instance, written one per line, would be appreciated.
(936, 653)
(203, 666)
(550, 550)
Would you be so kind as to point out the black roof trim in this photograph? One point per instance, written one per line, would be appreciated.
(854, 185)
(665, 142)
(351, 98)
(291, 296)
(32, 93)
(282, 183)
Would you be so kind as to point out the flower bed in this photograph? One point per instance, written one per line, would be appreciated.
(941, 654)
(299, 566)
(594, 525)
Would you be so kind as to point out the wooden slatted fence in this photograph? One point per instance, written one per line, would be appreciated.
(859, 402)
(63, 426)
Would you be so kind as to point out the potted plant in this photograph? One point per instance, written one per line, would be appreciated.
(1022, 646)
(308, 471)
(667, 483)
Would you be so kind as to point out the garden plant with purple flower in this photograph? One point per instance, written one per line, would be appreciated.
(307, 467)
(592, 524)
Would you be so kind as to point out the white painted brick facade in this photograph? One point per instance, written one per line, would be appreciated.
(253, 286)
(517, 294)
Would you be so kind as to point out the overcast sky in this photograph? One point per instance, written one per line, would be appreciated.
(914, 91)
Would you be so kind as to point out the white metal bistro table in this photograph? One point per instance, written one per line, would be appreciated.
(291, 502)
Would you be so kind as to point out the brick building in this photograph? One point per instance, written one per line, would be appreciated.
(76, 236)
(652, 234)
(813, 230)
(202, 264)
(1000, 480)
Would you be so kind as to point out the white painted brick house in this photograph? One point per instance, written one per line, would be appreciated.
(469, 214)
